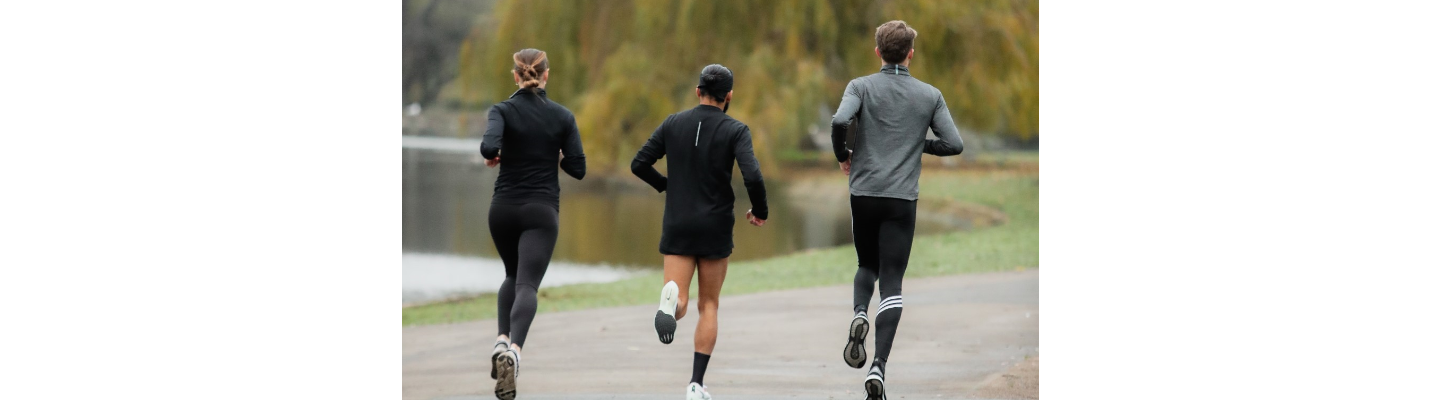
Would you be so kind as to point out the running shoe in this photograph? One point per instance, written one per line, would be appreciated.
(875, 384)
(665, 317)
(508, 370)
(500, 347)
(696, 392)
(855, 349)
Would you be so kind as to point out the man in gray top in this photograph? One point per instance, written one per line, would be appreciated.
(892, 112)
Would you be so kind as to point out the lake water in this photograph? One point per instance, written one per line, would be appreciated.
(607, 226)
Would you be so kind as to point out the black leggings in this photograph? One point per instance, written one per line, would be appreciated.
(883, 229)
(525, 237)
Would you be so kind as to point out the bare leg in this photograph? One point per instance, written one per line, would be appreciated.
(680, 269)
(712, 277)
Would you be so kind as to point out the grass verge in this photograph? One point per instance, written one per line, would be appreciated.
(1009, 246)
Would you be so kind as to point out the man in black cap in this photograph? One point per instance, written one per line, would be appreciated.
(703, 144)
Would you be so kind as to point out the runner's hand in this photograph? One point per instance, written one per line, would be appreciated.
(845, 166)
(492, 163)
(750, 216)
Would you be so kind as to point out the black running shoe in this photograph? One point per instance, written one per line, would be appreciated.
(875, 384)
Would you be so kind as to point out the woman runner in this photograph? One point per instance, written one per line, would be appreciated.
(533, 133)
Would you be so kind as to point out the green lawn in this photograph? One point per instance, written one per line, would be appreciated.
(1009, 246)
(1007, 157)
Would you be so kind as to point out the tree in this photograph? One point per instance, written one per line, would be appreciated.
(431, 34)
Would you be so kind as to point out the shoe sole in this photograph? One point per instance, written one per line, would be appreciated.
(874, 389)
(665, 326)
(855, 349)
(505, 382)
(665, 323)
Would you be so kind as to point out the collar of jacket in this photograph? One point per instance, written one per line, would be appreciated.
(895, 69)
(538, 91)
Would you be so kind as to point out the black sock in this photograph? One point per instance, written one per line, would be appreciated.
(879, 362)
(697, 375)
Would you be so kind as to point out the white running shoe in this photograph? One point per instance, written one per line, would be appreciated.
(696, 392)
(665, 317)
(509, 369)
(500, 347)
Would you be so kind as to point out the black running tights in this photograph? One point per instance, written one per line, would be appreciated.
(525, 237)
(883, 229)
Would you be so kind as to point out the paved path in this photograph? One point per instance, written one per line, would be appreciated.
(956, 333)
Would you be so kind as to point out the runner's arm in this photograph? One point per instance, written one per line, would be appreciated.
(494, 134)
(849, 105)
(644, 164)
(750, 170)
(949, 142)
(573, 161)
